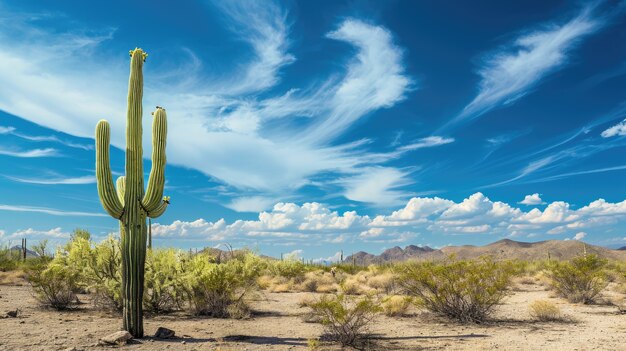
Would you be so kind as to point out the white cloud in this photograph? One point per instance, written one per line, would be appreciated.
(375, 79)
(534, 199)
(513, 71)
(616, 130)
(377, 185)
(221, 128)
(250, 203)
(50, 211)
(475, 215)
(580, 236)
(6, 130)
(54, 181)
(332, 259)
(263, 26)
(430, 141)
(30, 233)
(48, 152)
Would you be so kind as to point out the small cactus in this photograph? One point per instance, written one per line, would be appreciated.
(129, 203)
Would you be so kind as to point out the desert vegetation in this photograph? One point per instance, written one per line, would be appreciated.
(347, 301)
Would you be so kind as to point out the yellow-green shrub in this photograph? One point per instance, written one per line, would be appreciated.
(345, 318)
(466, 291)
(164, 284)
(218, 290)
(580, 279)
(54, 285)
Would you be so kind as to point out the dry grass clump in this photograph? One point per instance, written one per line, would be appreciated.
(317, 281)
(17, 277)
(545, 311)
(384, 282)
(396, 305)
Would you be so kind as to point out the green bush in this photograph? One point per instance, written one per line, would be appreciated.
(9, 259)
(466, 291)
(218, 290)
(290, 269)
(580, 279)
(54, 285)
(164, 285)
(345, 318)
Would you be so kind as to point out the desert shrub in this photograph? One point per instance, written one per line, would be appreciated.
(9, 259)
(104, 274)
(396, 305)
(545, 311)
(290, 269)
(466, 291)
(345, 318)
(164, 285)
(580, 279)
(54, 285)
(98, 268)
(218, 290)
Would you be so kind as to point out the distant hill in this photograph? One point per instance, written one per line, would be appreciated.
(502, 249)
(29, 253)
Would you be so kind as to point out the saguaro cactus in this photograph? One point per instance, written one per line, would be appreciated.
(130, 204)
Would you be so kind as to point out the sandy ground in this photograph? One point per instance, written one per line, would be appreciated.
(278, 325)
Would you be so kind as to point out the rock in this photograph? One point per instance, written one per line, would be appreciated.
(164, 333)
(13, 314)
(183, 342)
(117, 338)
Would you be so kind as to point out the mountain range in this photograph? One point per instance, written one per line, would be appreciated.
(502, 249)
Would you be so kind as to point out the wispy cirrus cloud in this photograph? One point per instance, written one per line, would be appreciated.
(55, 181)
(430, 141)
(377, 185)
(47, 152)
(227, 131)
(50, 211)
(514, 70)
(51, 138)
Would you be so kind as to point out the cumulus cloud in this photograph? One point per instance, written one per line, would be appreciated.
(30, 233)
(532, 200)
(580, 236)
(475, 215)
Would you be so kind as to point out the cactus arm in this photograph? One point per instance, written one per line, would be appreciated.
(157, 212)
(106, 190)
(120, 185)
(156, 182)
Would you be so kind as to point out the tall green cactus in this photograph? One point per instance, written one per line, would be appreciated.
(130, 204)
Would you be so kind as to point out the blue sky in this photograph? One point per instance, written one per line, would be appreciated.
(311, 127)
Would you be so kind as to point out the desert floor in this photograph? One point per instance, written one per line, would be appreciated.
(278, 325)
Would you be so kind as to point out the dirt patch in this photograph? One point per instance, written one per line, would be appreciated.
(278, 324)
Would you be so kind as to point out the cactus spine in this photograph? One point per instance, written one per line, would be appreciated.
(129, 203)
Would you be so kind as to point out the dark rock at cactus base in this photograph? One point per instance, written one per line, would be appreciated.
(164, 333)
